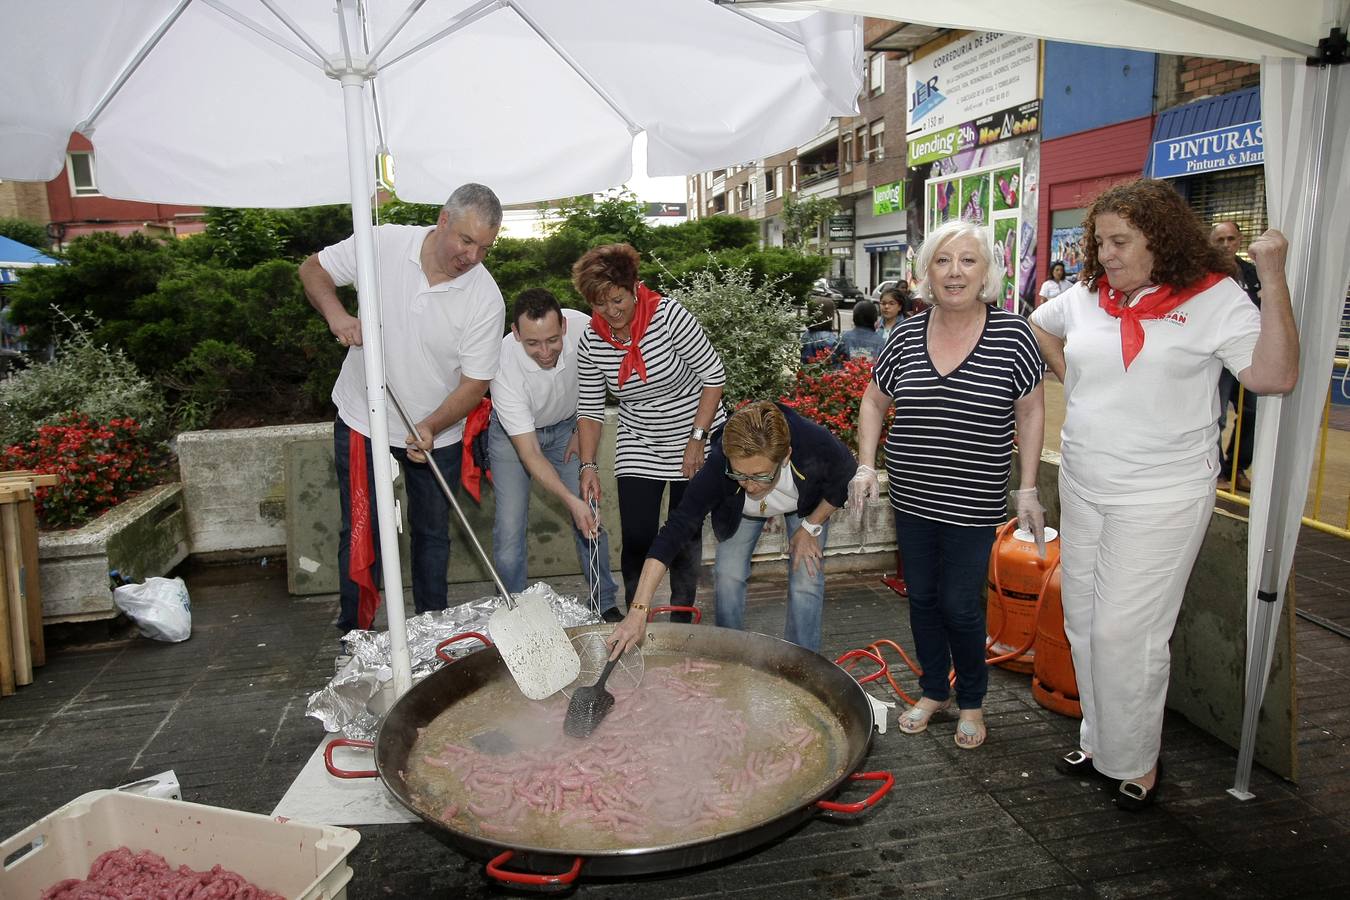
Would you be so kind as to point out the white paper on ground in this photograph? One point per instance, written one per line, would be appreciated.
(321, 799)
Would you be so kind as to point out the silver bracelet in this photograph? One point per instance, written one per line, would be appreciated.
(594, 467)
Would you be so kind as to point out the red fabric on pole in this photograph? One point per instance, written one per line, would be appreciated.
(362, 537)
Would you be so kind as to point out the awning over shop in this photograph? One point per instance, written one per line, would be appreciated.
(15, 256)
(883, 246)
(1215, 133)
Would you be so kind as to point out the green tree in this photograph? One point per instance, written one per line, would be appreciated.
(802, 220)
(754, 327)
(26, 232)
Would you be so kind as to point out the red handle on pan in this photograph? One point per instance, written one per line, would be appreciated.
(440, 648)
(494, 869)
(698, 616)
(864, 654)
(887, 782)
(347, 773)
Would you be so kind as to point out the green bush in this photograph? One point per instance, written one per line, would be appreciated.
(755, 327)
(84, 377)
(25, 232)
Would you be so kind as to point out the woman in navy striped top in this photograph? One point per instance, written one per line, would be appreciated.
(961, 376)
(650, 353)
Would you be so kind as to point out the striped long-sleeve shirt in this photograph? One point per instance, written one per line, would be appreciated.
(655, 416)
(949, 450)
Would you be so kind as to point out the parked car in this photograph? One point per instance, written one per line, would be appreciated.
(841, 290)
(884, 287)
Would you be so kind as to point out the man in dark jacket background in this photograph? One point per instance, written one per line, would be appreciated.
(1228, 236)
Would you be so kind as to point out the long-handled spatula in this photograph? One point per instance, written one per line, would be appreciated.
(532, 642)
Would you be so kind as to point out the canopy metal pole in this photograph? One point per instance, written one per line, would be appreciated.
(1283, 495)
(372, 351)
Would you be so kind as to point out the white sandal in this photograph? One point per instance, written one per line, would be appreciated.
(915, 719)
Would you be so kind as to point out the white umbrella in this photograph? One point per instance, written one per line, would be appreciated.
(237, 103)
(1305, 111)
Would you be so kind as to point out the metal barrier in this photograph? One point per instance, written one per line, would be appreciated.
(1323, 483)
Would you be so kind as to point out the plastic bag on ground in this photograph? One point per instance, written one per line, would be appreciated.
(160, 606)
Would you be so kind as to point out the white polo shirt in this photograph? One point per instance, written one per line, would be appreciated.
(1149, 434)
(526, 397)
(433, 334)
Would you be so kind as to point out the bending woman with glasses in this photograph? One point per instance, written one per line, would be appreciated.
(768, 461)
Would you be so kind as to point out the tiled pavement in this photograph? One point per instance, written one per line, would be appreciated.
(226, 711)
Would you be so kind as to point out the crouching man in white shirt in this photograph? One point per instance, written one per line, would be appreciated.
(533, 437)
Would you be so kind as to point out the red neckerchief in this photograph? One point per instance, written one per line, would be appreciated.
(642, 317)
(362, 537)
(1154, 306)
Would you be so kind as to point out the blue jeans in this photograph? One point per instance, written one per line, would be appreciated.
(806, 593)
(428, 523)
(945, 568)
(511, 485)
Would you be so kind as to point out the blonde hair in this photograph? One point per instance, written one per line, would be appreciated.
(992, 287)
(757, 429)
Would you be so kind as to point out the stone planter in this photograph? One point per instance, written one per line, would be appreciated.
(145, 536)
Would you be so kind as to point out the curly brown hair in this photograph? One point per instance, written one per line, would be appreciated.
(603, 268)
(1178, 240)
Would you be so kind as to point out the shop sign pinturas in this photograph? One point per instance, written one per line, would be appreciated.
(1223, 148)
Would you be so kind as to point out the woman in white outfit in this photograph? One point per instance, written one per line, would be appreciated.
(1139, 343)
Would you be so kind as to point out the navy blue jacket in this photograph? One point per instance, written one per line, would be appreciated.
(821, 465)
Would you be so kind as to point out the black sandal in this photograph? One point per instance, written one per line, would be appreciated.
(1133, 796)
(1076, 763)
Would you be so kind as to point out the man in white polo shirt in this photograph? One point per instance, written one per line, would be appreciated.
(533, 437)
(442, 320)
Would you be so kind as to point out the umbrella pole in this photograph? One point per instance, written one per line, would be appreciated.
(372, 346)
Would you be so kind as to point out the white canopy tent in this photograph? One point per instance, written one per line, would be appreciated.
(1305, 102)
(282, 103)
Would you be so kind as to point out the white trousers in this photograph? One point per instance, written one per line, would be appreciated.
(1125, 570)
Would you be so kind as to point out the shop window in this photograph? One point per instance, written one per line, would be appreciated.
(1237, 196)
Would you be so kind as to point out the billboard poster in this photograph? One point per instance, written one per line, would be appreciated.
(1005, 254)
(1007, 188)
(1067, 244)
(973, 76)
(975, 199)
(1015, 121)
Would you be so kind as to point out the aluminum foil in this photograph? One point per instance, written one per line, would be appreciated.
(358, 696)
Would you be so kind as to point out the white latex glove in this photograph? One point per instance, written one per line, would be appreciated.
(862, 488)
(1031, 516)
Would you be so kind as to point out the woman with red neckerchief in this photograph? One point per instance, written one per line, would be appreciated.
(1139, 343)
(652, 355)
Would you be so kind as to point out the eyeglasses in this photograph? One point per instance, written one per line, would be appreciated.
(768, 478)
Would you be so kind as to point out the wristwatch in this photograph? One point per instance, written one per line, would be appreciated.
(698, 434)
(812, 528)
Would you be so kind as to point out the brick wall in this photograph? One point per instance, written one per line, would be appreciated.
(24, 200)
(1199, 76)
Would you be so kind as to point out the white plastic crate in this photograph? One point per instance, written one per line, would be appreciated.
(290, 858)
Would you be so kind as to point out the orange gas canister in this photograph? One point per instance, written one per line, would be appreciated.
(1054, 684)
(1016, 576)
